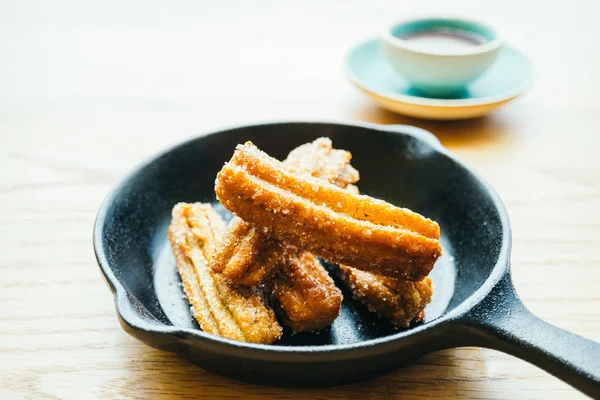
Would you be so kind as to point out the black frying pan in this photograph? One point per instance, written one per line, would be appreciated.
(475, 303)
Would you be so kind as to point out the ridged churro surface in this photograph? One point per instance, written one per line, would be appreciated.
(221, 308)
(247, 255)
(329, 221)
(400, 302)
(320, 160)
(306, 293)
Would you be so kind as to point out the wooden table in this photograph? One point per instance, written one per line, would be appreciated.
(88, 90)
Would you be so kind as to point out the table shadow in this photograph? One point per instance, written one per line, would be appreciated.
(491, 130)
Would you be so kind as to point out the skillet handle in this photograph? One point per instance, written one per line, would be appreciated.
(502, 322)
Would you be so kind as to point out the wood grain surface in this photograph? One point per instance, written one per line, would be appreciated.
(87, 90)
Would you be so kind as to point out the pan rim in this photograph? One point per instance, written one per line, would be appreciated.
(310, 352)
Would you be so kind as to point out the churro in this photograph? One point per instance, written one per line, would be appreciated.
(317, 216)
(400, 302)
(247, 255)
(221, 308)
(320, 160)
(306, 294)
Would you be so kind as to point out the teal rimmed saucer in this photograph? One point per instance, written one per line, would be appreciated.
(509, 77)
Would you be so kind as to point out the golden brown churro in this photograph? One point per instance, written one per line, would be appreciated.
(247, 255)
(401, 302)
(222, 309)
(306, 293)
(320, 160)
(343, 227)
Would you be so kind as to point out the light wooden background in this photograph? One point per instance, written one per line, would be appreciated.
(88, 90)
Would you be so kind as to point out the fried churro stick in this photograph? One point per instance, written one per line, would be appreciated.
(345, 228)
(220, 308)
(306, 293)
(247, 255)
(401, 302)
(320, 160)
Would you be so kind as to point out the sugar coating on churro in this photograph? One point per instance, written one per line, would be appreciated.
(306, 293)
(401, 302)
(343, 227)
(222, 309)
(246, 255)
(320, 160)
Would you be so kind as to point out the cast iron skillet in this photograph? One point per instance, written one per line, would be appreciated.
(475, 303)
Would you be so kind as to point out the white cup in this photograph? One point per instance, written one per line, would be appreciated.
(442, 71)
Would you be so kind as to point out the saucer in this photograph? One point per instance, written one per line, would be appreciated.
(509, 77)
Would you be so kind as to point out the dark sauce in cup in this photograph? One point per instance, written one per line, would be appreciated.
(444, 39)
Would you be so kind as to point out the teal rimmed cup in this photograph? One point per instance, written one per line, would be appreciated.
(443, 71)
